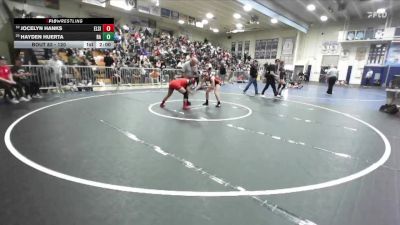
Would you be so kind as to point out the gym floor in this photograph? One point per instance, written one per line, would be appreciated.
(107, 158)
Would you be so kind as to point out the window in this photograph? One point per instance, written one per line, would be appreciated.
(397, 32)
(247, 47)
(233, 47)
(239, 50)
(329, 60)
(377, 54)
(266, 49)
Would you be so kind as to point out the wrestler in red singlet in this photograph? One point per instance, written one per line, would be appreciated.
(178, 84)
(182, 86)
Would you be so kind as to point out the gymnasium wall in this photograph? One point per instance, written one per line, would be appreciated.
(309, 47)
(257, 35)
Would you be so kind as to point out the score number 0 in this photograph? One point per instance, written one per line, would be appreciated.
(108, 27)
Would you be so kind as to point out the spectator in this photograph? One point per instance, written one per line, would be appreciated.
(163, 65)
(180, 65)
(253, 77)
(368, 76)
(108, 62)
(26, 88)
(6, 81)
(57, 68)
(222, 72)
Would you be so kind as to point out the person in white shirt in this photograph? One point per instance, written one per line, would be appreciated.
(368, 76)
(180, 65)
(332, 75)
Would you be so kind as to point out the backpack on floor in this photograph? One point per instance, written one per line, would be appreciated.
(389, 108)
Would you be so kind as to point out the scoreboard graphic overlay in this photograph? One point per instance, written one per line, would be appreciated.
(64, 33)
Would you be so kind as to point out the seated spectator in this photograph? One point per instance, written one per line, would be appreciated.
(6, 81)
(26, 88)
(180, 65)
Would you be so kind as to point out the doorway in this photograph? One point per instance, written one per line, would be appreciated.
(348, 76)
(308, 73)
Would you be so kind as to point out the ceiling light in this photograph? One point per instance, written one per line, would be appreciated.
(311, 7)
(236, 31)
(273, 20)
(199, 24)
(181, 22)
(39, 16)
(215, 30)
(239, 26)
(247, 7)
(209, 15)
(324, 18)
(381, 10)
(237, 16)
(205, 22)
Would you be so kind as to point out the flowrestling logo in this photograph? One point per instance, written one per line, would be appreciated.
(380, 15)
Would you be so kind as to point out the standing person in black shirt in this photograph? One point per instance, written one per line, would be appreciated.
(222, 72)
(253, 77)
(108, 62)
(163, 65)
(270, 77)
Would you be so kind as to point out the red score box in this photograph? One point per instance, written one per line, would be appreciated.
(108, 27)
